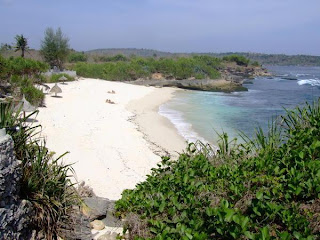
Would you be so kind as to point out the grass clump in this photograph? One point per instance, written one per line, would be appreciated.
(265, 188)
(45, 181)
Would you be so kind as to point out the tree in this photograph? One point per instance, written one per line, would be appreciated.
(21, 44)
(55, 47)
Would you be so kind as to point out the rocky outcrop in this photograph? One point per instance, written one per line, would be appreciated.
(232, 78)
(14, 212)
(216, 85)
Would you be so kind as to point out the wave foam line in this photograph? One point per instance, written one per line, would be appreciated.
(184, 128)
(312, 82)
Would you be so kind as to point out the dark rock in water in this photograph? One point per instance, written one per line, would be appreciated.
(290, 78)
(97, 207)
(247, 81)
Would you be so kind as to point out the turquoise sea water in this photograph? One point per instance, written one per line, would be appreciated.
(197, 115)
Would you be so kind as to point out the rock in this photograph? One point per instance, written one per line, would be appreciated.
(84, 190)
(14, 212)
(216, 85)
(108, 236)
(95, 207)
(77, 226)
(97, 225)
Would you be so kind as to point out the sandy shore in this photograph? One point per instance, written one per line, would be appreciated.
(112, 146)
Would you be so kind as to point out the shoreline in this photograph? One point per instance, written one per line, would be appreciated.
(112, 146)
(158, 131)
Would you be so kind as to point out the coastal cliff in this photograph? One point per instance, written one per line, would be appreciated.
(231, 80)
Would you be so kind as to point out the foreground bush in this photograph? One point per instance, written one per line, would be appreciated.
(266, 188)
(45, 181)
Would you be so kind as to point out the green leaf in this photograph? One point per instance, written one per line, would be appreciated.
(315, 145)
(189, 235)
(285, 236)
(249, 235)
(229, 214)
(265, 233)
(259, 195)
(244, 222)
(162, 206)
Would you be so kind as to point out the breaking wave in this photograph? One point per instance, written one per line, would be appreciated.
(312, 82)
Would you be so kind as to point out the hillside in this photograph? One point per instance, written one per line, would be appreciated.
(264, 59)
(130, 51)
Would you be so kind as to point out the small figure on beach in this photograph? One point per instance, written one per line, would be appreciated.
(109, 101)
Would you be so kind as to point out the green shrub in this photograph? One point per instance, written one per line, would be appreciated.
(34, 95)
(116, 58)
(77, 57)
(25, 67)
(265, 188)
(240, 60)
(89, 70)
(256, 64)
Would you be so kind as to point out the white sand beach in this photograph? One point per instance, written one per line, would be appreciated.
(112, 146)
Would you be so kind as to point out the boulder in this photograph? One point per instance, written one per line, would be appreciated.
(97, 225)
(96, 207)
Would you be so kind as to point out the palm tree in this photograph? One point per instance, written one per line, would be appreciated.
(21, 44)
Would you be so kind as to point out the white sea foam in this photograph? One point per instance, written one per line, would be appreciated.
(184, 128)
(302, 74)
(312, 82)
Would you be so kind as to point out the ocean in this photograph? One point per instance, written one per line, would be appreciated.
(199, 115)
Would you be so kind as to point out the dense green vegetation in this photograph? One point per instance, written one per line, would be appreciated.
(45, 181)
(22, 74)
(124, 69)
(266, 188)
(240, 60)
(262, 58)
(77, 57)
(277, 59)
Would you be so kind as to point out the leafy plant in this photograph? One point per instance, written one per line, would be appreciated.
(264, 188)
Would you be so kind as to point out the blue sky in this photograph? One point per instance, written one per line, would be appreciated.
(268, 26)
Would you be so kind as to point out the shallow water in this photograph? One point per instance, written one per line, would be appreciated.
(199, 115)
